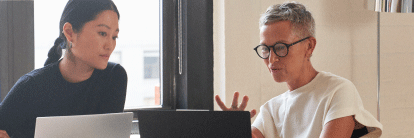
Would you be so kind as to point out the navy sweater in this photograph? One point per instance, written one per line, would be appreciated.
(44, 92)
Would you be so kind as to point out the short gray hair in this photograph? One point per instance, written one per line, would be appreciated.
(303, 24)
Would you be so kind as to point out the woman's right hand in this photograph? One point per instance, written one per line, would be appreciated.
(235, 106)
(3, 134)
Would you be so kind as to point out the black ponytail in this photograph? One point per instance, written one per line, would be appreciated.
(77, 13)
(55, 53)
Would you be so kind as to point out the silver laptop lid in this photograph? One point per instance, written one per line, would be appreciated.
(112, 125)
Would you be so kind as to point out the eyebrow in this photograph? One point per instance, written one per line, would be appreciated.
(278, 42)
(104, 25)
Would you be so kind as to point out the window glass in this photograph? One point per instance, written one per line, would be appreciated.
(137, 48)
(151, 67)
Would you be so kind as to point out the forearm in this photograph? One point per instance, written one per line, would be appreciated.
(256, 133)
(339, 128)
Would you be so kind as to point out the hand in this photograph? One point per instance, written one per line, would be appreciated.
(234, 106)
(3, 134)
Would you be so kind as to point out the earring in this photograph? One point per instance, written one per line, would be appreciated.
(70, 44)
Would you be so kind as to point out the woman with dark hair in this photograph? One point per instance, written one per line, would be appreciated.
(82, 82)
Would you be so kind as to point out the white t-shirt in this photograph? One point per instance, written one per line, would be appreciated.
(303, 112)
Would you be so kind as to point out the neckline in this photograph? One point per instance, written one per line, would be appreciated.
(301, 89)
(77, 83)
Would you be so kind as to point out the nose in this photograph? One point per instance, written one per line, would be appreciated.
(110, 44)
(273, 57)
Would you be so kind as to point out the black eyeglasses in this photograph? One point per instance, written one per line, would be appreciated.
(280, 49)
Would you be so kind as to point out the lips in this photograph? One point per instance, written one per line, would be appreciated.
(105, 56)
(274, 69)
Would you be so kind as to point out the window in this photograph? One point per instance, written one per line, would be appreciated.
(139, 31)
(183, 41)
(151, 67)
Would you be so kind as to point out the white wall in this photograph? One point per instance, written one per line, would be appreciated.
(397, 66)
(346, 36)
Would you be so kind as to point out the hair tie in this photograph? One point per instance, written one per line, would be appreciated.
(61, 43)
(55, 52)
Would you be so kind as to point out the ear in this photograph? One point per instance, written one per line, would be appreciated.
(310, 47)
(68, 32)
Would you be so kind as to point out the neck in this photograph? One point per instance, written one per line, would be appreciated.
(306, 76)
(73, 71)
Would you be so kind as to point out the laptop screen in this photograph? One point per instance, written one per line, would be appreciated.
(194, 124)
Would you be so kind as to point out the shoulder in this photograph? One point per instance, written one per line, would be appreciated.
(38, 78)
(334, 82)
(44, 72)
(112, 65)
(114, 72)
(115, 68)
(25, 86)
(40, 74)
(332, 78)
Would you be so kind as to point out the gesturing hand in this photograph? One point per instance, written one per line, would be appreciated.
(3, 134)
(234, 105)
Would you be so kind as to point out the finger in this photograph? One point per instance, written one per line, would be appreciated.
(244, 103)
(252, 113)
(235, 99)
(3, 134)
(220, 103)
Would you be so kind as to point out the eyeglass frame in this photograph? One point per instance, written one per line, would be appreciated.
(273, 47)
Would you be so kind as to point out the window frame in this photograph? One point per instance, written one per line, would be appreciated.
(193, 87)
(186, 24)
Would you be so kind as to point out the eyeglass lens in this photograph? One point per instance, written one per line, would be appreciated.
(279, 49)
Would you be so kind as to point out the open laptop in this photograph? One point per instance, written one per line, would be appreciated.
(111, 125)
(194, 124)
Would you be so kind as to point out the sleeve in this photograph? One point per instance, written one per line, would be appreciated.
(118, 85)
(15, 109)
(346, 102)
(264, 122)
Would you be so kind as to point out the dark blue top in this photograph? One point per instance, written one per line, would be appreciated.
(44, 92)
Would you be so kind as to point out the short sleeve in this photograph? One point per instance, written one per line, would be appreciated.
(347, 102)
(264, 122)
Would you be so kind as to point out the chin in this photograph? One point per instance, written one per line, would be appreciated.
(278, 79)
(102, 67)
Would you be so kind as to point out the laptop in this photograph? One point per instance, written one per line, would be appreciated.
(111, 125)
(194, 124)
